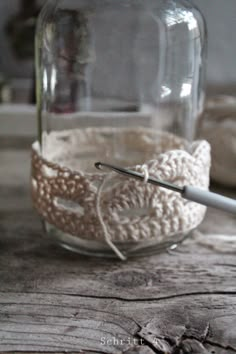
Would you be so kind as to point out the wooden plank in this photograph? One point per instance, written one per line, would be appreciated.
(55, 301)
(49, 322)
(24, 246)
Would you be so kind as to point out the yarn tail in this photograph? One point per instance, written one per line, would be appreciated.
(103, 225)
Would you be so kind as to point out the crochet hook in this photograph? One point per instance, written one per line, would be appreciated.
(190, 193)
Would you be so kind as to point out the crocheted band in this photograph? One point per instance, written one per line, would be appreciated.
(65, 185)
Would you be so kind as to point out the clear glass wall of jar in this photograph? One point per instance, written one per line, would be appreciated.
(116, 80)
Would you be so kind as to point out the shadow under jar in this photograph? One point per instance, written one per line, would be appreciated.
(120, 82)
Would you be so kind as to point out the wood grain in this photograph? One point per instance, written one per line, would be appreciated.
(55, 301)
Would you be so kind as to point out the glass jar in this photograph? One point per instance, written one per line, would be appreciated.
(120, 82)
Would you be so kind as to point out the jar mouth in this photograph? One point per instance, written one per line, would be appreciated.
(80, 203)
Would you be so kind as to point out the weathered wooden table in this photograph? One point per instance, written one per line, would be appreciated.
(55, 301)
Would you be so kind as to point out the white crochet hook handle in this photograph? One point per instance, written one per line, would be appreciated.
(209, 199)
(193, 194)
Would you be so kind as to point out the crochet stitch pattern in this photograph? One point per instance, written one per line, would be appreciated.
(65, 184)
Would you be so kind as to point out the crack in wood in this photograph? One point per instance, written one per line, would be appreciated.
(120, 298)
(201, 344)
(216, 344)
(206, 331)
(185, 344)
(150, 345)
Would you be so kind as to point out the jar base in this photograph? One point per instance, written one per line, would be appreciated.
(101, 249)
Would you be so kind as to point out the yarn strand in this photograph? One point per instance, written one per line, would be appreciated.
(102, 223)
(145, 172)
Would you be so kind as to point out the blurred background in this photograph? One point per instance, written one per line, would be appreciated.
(17, 86)
(17, 21)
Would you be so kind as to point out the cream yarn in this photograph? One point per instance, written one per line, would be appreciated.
(72, 195)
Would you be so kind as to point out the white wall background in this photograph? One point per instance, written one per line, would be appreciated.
(221, 20)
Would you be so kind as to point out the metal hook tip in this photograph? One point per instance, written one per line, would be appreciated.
(98, 165)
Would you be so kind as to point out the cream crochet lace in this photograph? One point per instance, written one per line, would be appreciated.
(67, 190)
